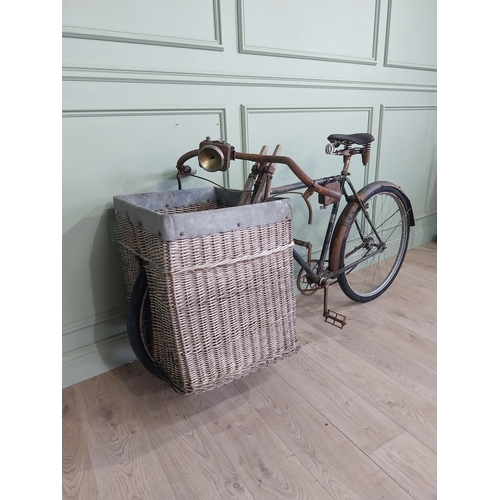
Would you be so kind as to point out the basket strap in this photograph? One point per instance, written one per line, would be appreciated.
(231, 261)
(134, 251)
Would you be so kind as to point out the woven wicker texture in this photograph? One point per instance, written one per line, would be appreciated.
(130, 248)
(129, 251)
(222, 305)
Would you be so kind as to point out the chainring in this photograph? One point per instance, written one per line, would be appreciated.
(304, 284)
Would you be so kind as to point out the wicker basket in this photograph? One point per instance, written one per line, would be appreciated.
(220, 278)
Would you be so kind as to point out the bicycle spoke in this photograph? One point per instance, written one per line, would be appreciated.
(354, 250)
(387, 234)
(399, 224)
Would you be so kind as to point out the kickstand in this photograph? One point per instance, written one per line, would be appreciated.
(332, 317)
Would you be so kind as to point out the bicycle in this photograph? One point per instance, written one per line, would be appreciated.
(365, 246)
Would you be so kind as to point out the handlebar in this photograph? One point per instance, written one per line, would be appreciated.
(264, 159)
(299, 173)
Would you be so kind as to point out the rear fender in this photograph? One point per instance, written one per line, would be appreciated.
(344, 219)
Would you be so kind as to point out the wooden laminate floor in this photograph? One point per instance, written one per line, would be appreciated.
(351, 416)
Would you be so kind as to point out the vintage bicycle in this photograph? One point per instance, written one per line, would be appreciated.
(363, 248)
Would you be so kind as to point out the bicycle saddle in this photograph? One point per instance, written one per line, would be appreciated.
(352, 138)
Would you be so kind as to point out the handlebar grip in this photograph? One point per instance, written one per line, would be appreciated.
(187, 170)
(185, 157)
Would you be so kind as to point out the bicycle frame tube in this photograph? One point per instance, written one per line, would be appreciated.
(365, 211)
(322, 279)
(300, 185)
(328, 236)
(317, 275)
(287, 188)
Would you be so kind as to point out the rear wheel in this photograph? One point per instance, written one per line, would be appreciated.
(388, 210)
(139, 325)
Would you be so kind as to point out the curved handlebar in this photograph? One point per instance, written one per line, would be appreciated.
(299, 173)
(185, 157)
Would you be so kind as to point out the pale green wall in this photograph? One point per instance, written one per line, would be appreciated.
(141, 86)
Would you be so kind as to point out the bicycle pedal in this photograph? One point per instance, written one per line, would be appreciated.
(335, 319)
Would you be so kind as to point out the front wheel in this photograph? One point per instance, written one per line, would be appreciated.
(379, 247)
(139, 325)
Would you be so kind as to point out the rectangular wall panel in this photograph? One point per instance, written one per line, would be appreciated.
(408, 157)
(303, 134)
(411, 34)
(107, 154)
(176, 22)
(339, 30)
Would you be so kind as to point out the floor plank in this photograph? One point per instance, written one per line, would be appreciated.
(222, 408)
(408, 296)
(419, 322)
(79, 481)
(123, 457)
(357, 419)
(339, 466)
(266, 464)
(406, 408)
(403, 368)
(407, 341)
(189, 454)
(411, 464)
(424, 256)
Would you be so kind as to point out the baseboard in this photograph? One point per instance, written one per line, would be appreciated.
(421, 236)
(87, 362)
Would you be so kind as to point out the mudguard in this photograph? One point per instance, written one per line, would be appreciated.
(343, 221)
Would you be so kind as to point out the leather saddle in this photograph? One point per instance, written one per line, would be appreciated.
(351, 138)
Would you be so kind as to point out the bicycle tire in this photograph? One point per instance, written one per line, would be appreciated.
(139, 325)
(391, 212)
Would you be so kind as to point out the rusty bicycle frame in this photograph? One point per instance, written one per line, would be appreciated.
(216, 156)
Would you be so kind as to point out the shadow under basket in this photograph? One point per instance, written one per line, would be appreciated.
(221, 282)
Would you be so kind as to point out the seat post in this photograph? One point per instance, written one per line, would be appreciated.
(347, 160)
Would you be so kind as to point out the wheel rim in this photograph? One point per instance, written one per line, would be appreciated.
(388, 213)
(146, 327)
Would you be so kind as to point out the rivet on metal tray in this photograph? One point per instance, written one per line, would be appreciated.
(182, 234)
(238, 224)
(166, 206)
